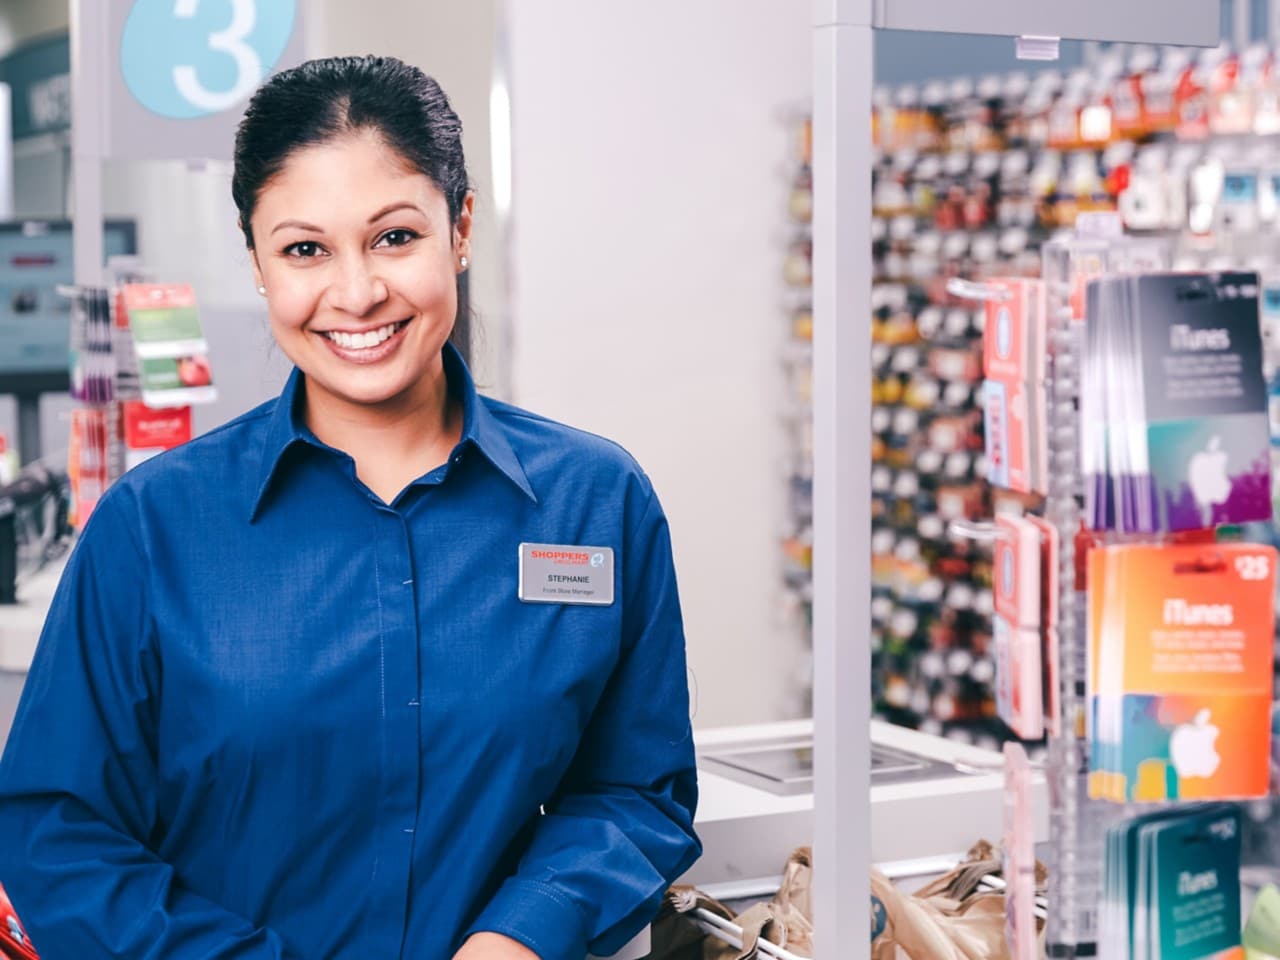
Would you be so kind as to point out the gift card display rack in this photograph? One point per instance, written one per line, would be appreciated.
(1077, 823)
(842, 292)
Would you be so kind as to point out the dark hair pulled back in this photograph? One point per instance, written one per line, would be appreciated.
(321, 100)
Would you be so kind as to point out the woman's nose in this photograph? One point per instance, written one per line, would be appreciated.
(357, 289)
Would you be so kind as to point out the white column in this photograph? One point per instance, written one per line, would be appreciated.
(842, 475)
(88, 86)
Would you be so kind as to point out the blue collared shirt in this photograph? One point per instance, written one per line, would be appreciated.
(271, 716)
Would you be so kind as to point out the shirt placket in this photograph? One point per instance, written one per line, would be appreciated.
(399, 713)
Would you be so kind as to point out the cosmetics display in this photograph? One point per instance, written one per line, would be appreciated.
(933, 645)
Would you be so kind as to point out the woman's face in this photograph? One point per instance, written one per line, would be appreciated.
(359, 262)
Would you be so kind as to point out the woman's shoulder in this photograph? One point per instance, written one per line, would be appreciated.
(208, 462)
(541, 443)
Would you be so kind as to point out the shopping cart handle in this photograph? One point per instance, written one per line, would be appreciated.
(637, 949)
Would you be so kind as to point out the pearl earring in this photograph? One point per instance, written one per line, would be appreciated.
(465, 263)
(262, 290)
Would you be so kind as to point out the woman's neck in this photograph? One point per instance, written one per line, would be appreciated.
(392, 443)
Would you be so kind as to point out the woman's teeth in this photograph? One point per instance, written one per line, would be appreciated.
(363, 341)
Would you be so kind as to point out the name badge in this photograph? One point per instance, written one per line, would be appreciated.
(552, 573)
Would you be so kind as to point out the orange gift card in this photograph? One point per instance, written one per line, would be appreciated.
(1180, 670)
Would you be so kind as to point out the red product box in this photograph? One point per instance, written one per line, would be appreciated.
(148, 429)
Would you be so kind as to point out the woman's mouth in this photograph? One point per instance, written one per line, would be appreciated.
(367, 347)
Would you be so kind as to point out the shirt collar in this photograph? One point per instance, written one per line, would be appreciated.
(479, 429)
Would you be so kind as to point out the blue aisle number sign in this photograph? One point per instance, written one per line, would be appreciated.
(185, 59)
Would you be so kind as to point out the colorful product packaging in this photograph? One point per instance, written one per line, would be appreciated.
(171, 351)
(1173, 403)
(1172, 886)
(1180, 658)
(1014, 350)
(148, 431)
(1025, 629)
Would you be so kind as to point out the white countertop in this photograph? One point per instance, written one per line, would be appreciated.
(748, 832)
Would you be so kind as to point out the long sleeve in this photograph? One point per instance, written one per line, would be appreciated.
(78, 781)
(620, 829)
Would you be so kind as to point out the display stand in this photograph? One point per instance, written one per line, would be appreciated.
(842, 168)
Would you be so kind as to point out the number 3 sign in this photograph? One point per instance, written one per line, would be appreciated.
(168, 79)
(184, 59)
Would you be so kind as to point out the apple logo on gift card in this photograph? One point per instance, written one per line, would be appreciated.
(1207, 474)
(1192, 748)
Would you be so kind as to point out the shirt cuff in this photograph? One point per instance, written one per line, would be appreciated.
(537, 915)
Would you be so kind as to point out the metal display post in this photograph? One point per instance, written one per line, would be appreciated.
(842, 471)
(88, 75)
(842, 155)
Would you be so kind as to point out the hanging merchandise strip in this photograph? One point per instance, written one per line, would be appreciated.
(1077, 826)
(139, 360)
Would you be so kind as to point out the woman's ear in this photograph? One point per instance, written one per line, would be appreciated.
(462, 229)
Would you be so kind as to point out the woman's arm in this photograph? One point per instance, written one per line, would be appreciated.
(78, 777)
(620, 828)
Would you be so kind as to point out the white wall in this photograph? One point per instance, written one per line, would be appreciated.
(649, 205)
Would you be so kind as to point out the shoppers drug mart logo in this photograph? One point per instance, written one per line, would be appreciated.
(184, 59)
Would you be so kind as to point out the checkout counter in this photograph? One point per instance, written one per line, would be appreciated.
(931, 798)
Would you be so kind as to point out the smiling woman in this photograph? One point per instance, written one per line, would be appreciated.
(357, 241)
(383, 667)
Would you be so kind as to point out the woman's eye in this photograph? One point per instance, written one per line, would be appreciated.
(397, 238)
(303, 249)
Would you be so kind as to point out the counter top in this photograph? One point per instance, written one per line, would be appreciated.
(747, 832)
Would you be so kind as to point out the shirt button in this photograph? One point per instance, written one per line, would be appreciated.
(457, 458)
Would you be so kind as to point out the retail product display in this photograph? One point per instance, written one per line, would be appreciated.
(1175, 412)
(1173, 643)
(93, 358)
(170, 349)
(797, 412)
(1014, 351)
(140, 361)
(1019, 862)
(1173, 886)
(1180, 671)
(1020, 624)
(933, 653)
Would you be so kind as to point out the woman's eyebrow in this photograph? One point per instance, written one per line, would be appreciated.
(298, 224)
(393, 207)
(389, 208)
